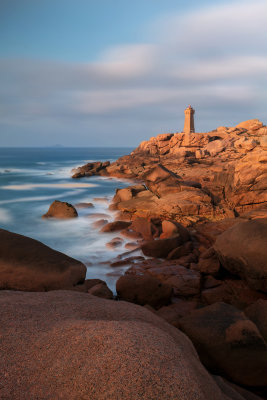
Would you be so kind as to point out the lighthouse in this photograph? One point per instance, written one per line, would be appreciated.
(189, 125)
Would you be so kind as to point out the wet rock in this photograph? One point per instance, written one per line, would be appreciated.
(115, 226)
(61, 209)
(84, 205)
(100, 223)
(115, 242)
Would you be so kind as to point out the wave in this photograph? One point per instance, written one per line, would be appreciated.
(43, 198)
(30, 186)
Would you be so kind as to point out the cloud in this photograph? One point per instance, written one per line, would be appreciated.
(213, 58)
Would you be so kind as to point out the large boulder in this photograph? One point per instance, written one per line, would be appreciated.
(228, 343)
(27, 264)
(242, 250)
(76, 346)
(61, 209)
(143, 289)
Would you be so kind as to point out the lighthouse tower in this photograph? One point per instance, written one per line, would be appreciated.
(189, 125)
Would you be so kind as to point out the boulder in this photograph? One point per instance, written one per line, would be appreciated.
(101, 290)
(143, 289)
(235, 292)
(115, 226)
(173, 312)
(29, 265)
(257, 313)
(76, 346)
(250, 125)
(162, 247)
(115, 242)
(173, 228)
(228, 343)
(144, 227)
(84, 205)
(242, 250)
(61, 209)
(215, 147)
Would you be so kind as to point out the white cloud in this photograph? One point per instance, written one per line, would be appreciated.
(213, 57)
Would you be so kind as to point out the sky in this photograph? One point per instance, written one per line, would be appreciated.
(116, 72)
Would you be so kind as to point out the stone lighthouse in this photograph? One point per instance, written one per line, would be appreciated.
(189, 125)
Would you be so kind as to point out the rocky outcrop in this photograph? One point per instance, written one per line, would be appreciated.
(62, 210)
(74, 336)
(90, 169)
(242, 250)
(191, 177)
(29, 265)
(228, 343)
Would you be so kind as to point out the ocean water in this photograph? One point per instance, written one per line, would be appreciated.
(32, 178)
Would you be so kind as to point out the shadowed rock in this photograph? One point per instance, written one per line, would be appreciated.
(228, 343)
(27, 264)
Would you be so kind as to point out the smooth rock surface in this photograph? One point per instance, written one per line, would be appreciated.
(29, 265)
(65, 345)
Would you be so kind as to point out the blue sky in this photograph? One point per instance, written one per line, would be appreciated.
(115, 72)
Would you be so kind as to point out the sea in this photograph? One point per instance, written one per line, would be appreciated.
(32, 178)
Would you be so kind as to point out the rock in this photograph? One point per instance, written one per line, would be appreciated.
(143, 289)
(84, 205)
(215, 147)
(74, 336)
(162, 247)
(173, 228)
(162, 181)
(229, 343)
(90, 169)
(257, 313)
(115, 242)
(100, 223)
(174, 312)
(144, 227)
(250, 125)
(184, 282)
(27, 264)
(233, 292)
(208, 262)
(101, 290)
(132, 246)
(115, 226)
(242, 250)
(263, 142)
(180, 251)
(61, 209)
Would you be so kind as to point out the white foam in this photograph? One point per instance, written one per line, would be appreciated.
(30, 186)
(42, 198)
(5, 216)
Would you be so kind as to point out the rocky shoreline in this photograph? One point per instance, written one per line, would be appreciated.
(197, 212)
